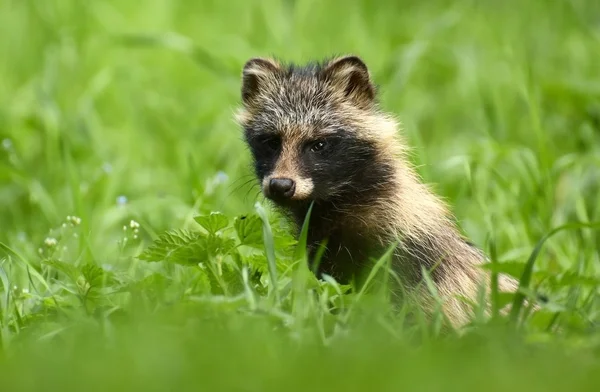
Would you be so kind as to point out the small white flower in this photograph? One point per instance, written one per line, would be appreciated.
(26, 291)
(64, 225)
(124, 228)
(74, 220)
(135, 237)
(50, 242)
(133, 224)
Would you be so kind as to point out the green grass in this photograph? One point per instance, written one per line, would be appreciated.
(117, 143)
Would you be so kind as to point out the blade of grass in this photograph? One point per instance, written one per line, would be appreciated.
(4, 307)
(528, 271)
(300, 253)
(318, 256)
(386, 257)
(178, 43)
(269, 250)
(301, 296)
(28, 266)
(494, 278)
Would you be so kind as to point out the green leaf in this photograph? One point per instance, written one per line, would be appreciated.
(69, 270)
(177, 246)
(258, 262)
(199, 282)
(153, 283)
(219, 245)
(96, 276)
(213, 223)
(573, 279)
(249, 230)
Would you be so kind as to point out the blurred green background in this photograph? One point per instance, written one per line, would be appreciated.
(121, 110)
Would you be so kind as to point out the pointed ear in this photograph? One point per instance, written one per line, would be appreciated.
(255, 73)
(350, 76)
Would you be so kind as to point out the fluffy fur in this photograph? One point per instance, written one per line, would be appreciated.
(320, 126)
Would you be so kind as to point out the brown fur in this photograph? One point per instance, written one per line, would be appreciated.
(301, 107)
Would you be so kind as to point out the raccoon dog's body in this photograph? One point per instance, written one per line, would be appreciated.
(316, 134)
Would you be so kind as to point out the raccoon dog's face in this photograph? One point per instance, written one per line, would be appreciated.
(310, 131)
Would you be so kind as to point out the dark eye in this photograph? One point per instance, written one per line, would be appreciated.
(317, 146)
(272, 143)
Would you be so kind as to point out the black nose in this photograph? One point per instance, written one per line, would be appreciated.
(282, 187)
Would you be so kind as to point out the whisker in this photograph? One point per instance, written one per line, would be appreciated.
(246, 183)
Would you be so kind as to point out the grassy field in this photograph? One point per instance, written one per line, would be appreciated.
(118, 142)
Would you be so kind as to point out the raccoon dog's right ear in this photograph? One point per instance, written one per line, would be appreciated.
(350, 75)
(256, 72)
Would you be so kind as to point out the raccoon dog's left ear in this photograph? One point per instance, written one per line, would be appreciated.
(350, 75)
(255, 74)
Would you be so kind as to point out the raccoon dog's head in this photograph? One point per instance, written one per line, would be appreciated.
(315, 132)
